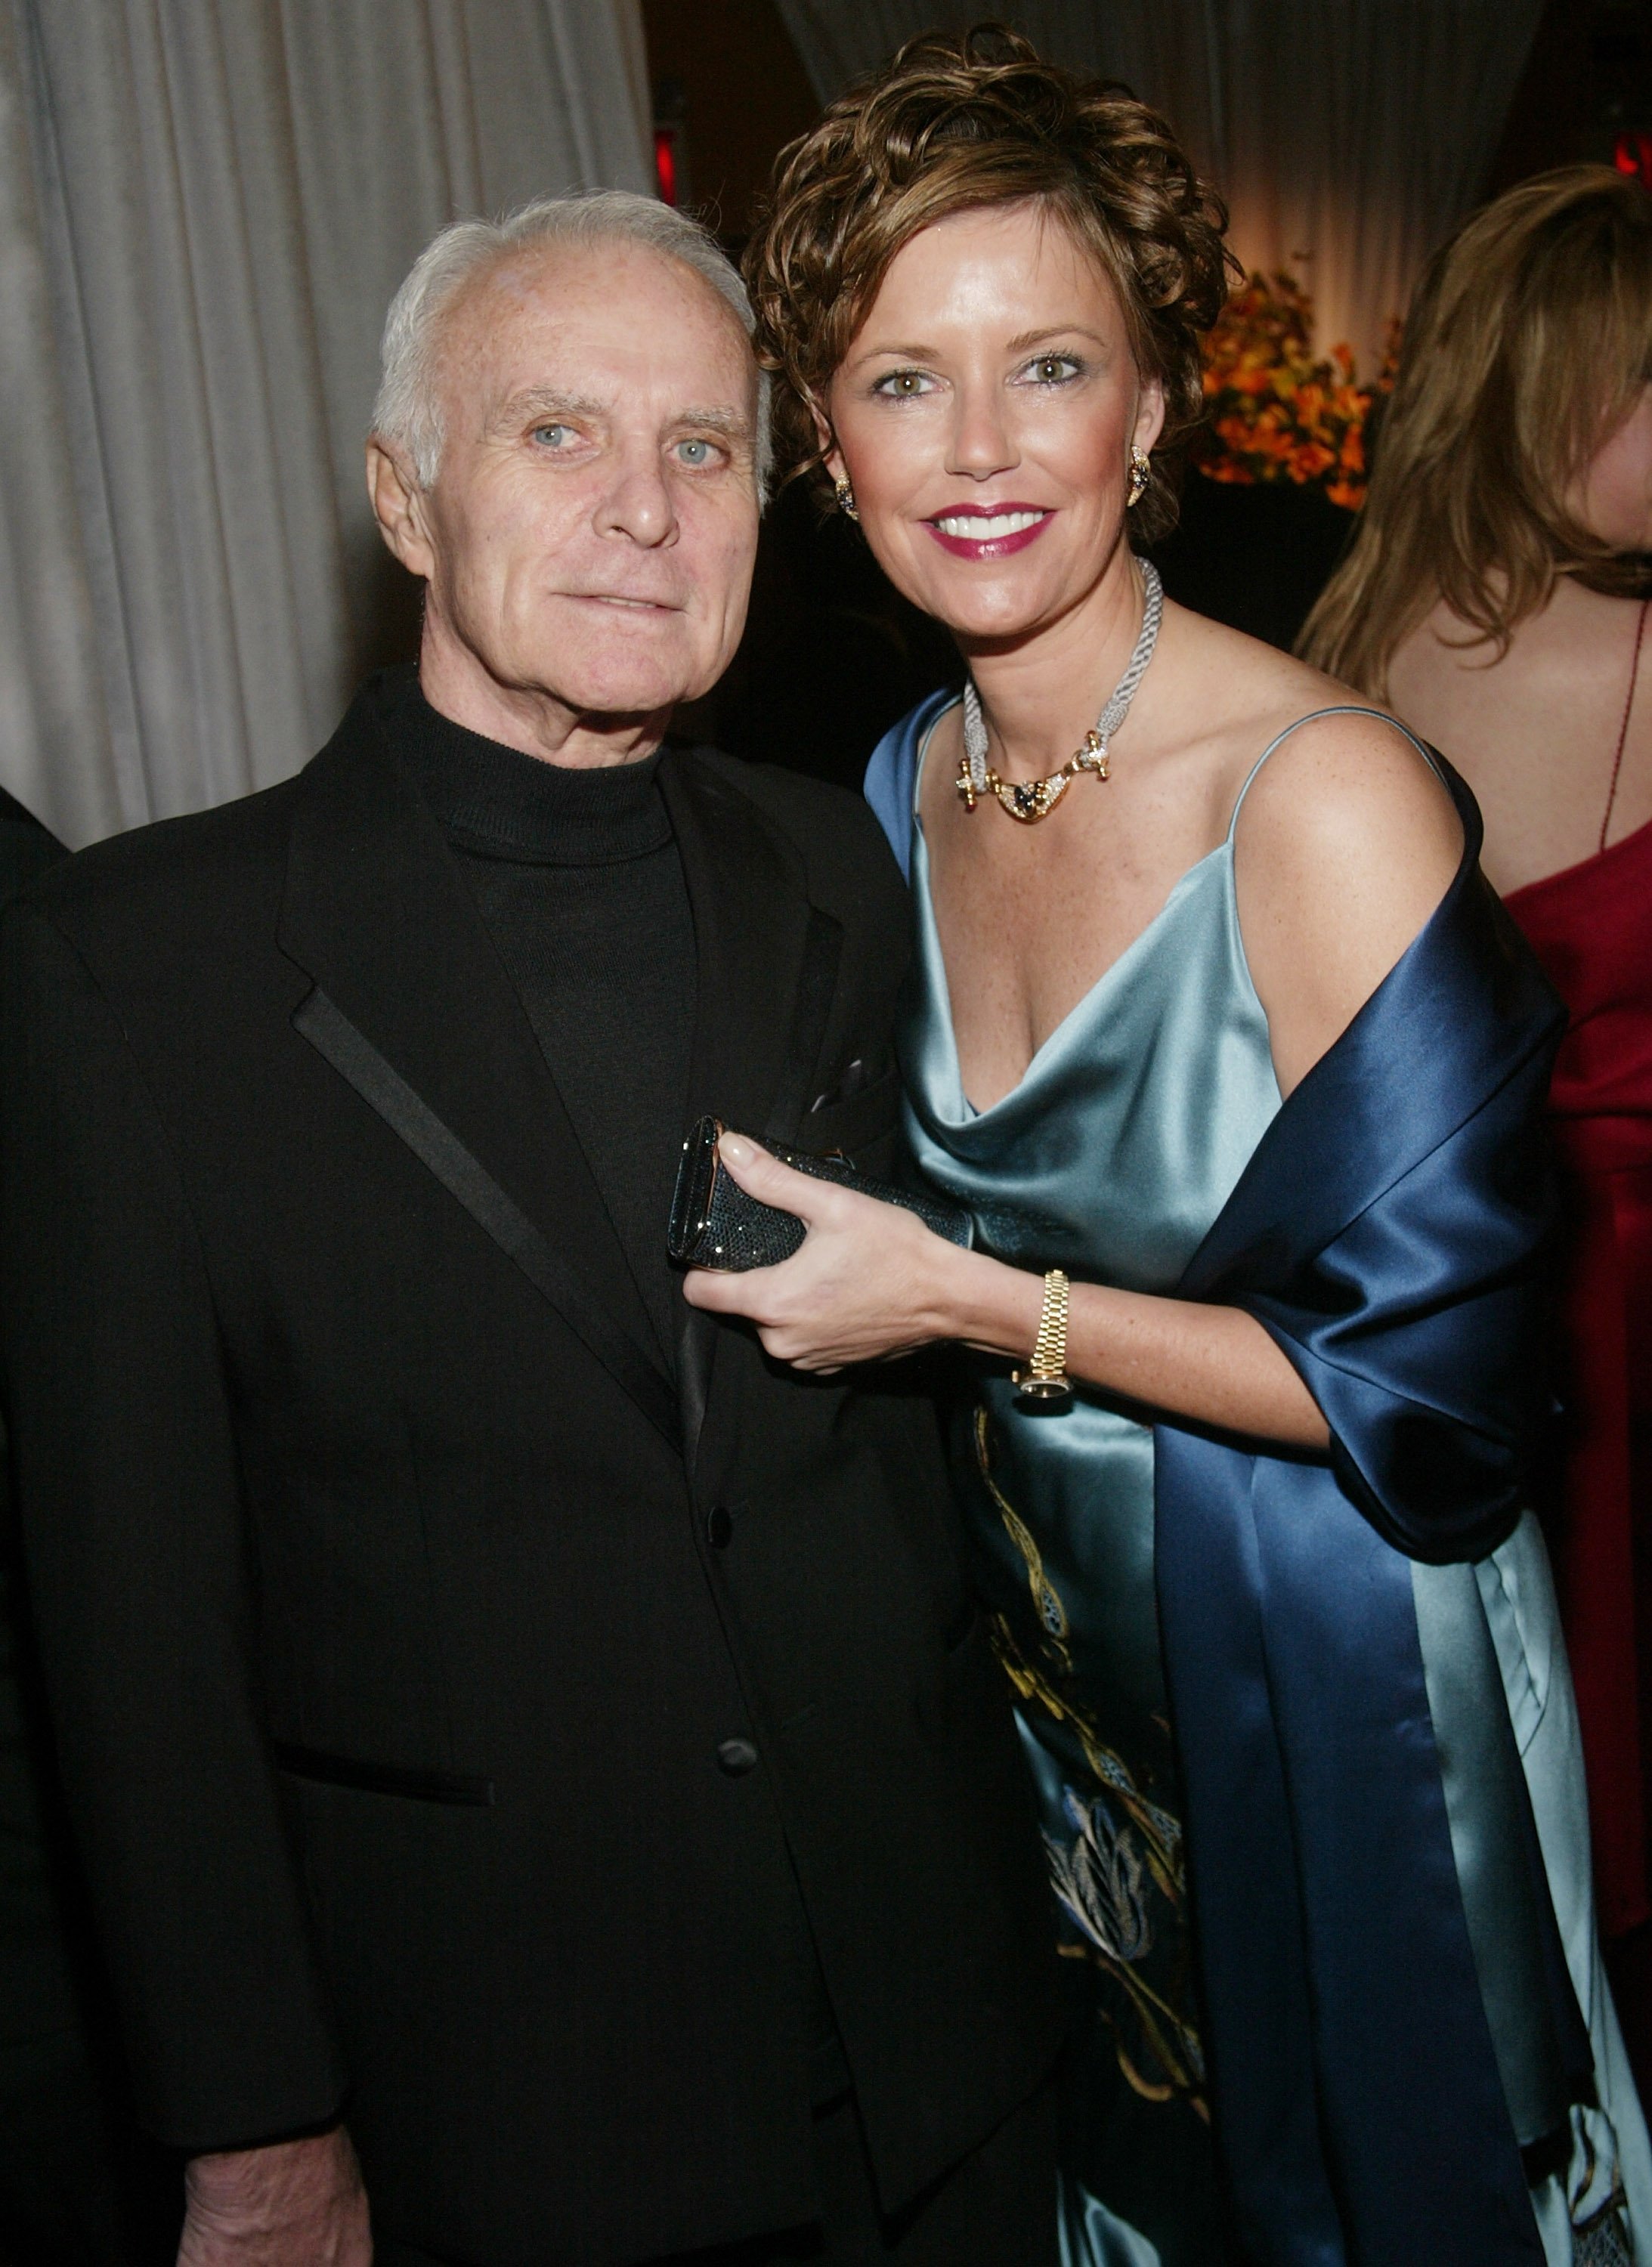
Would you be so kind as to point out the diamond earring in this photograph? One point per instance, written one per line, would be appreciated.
(1140, 474)
(845, 496)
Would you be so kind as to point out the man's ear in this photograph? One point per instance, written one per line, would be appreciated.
(398, 506)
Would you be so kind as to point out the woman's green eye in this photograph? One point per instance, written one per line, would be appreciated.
(1053, 370)
(904, 384)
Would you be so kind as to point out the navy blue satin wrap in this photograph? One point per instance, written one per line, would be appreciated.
(1388, 1233)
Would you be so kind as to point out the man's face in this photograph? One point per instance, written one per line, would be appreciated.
(592, 526)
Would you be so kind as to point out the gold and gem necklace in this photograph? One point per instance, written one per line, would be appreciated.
(1031, 800)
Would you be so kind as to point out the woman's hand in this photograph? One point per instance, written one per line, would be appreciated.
(869, 1282)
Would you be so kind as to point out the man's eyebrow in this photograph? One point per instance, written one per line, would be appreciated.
(539, 402)
(546, 401)
(735, 423)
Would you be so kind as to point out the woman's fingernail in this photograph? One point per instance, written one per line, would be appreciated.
(738, 1152)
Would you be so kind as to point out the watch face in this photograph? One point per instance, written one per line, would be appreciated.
(1042, 1389)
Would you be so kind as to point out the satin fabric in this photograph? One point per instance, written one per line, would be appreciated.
(1591, 927)
(1387, 1233)
(1389, 2006)
(1110, 1157)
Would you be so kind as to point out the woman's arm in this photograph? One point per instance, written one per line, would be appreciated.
(870, 1282)
(1345, 847)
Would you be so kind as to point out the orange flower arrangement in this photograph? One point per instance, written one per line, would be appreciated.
(1275, 412)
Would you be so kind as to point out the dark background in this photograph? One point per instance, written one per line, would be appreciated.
(831, 655)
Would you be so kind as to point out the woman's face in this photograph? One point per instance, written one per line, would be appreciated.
(984, 415)
(1612, 496)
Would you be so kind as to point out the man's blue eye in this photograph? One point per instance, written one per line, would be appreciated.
(553, 436)
(694, 452)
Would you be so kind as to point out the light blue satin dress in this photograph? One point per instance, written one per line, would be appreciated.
(1112, 1159)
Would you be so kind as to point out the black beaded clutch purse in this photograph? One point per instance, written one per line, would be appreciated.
(715, 1224)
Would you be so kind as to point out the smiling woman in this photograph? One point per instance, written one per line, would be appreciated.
(1239, 1071)
(849, 195)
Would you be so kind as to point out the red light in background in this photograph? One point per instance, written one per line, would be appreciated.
(1634, 156)
(665, 163)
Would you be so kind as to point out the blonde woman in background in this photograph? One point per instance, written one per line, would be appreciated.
(1496, 595)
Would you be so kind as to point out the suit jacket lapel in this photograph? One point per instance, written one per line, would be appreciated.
(767, 963)
(378, 912)
(751, 913)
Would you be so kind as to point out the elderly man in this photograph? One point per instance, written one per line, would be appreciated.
(542, 1776)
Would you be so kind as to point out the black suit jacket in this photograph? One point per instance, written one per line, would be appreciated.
(77, 2187)
(392, 1657)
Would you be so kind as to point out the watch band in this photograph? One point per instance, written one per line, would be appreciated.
(1045, 1377)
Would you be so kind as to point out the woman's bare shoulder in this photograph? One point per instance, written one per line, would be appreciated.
(1347, 843)
(1349, 810)
(1252, 689)
(1347, 839)
(1324, 738)
(1559, 651)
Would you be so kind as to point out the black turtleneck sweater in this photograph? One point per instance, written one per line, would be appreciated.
(577, 878)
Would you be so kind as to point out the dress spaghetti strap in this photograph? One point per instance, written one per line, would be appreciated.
(1623, 729)
(1342, 708)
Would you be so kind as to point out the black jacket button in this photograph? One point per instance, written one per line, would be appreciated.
(736, 1756)
(719, 1526)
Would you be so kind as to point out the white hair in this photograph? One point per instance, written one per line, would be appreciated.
(407, 413)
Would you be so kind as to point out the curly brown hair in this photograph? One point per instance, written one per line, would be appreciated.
(951, 125)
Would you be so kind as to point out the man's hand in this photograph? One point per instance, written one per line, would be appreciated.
(294, 2203)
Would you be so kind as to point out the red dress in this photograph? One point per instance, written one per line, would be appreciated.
(1591, 927)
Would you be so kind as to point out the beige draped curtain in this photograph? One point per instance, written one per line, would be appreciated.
(1349, 136)
(204, 208)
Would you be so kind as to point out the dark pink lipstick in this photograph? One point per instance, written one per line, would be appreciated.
(1008, 527)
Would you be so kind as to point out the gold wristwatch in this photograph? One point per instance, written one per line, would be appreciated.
(1045, 1378)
